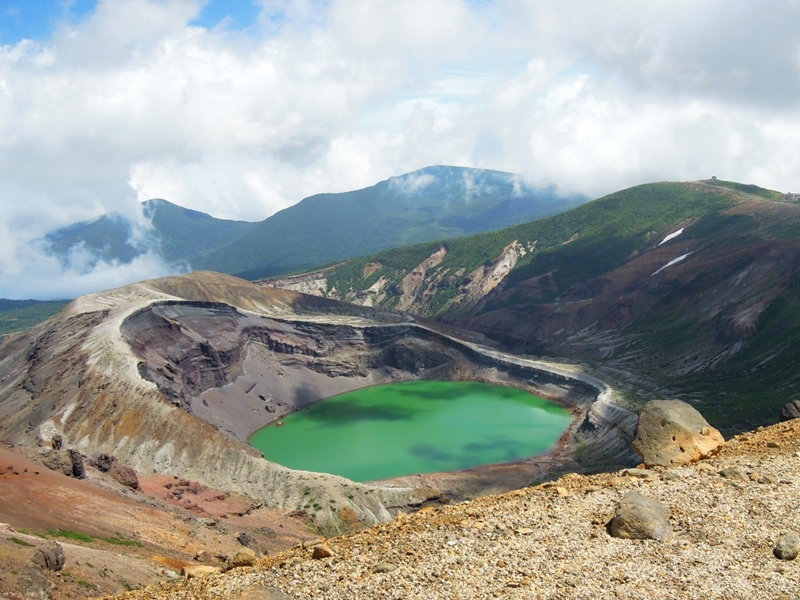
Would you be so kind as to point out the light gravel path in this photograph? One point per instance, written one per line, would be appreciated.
(551, 541)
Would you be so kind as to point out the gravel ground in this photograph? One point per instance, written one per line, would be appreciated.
(550, 541)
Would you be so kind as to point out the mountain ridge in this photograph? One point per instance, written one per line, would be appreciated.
(430, 203)
(618, 282)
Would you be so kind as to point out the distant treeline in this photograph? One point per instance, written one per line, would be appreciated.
(17, 315)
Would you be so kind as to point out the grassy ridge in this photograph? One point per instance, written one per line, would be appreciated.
(656, 328)
(608, 231)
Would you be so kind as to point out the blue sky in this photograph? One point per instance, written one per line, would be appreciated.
(37, 19)
(241, 108)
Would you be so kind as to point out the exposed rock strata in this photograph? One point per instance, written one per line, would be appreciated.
(127, 372)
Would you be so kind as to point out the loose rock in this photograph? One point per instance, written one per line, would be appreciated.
(737, 473)
(243, 558)
(321, 551)
(788, 547)
(199, 571)
(384, 567)
(640, 473)
(639, 517)
(673, 433)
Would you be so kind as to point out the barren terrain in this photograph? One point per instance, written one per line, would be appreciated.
(550, 541)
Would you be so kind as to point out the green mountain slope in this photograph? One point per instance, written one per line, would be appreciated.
(679, 289)
(178, 234)
(184, 235)
(18, 315)
(428, 204)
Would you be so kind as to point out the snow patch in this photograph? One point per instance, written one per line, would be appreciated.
(672, 262)
(671, 236)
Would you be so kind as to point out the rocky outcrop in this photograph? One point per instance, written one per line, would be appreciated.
(117, 471)
(58, 460)
(790, 410)
(671, 433)
(78, 467)
(641, 518)
(50, 556)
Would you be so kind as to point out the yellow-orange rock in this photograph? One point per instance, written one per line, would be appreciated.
(672, 433)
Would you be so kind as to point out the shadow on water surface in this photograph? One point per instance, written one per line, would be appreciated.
(507, 450)
(446, 390)
(345, 412)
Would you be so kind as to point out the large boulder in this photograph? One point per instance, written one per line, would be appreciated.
(116, 470)
(50, 556)
(641, 518)
(78, 468)
(671, 433)
(790, 410)
(58, 460)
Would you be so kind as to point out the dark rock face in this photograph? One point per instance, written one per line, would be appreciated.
(790, 410)
(119, 472)
(78, 468)
(671, 433)
(248, 541)
(641, 518)
(50, 557)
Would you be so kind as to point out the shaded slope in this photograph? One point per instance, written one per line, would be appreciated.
(178, 235)
(686, 289)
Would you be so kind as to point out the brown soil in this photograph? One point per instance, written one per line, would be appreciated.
(163, 526)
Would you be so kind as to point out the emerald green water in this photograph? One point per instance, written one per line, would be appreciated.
(414, 427)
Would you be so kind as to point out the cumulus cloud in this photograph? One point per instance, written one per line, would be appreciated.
(134, 101)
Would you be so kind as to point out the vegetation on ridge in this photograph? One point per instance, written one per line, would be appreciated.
(18, 315)
(717, 327)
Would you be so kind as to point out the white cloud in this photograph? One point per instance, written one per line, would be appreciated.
(134, 102)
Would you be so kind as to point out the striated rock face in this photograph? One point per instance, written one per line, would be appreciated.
(673, 433)
(50, 556)
(172, 376)
(790, 410)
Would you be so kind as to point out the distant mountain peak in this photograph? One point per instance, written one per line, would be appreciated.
(432, 203)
